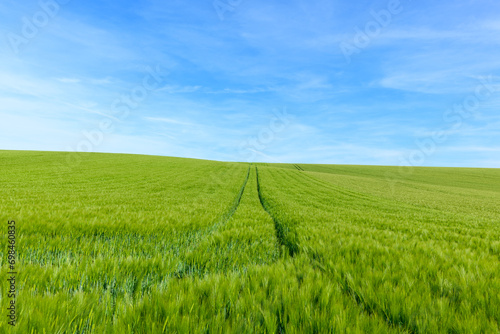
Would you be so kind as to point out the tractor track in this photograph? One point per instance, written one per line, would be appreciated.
(187, 269)
(283, 231)
(298, 167)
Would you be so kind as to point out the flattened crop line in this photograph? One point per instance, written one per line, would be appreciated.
(232, 209)
(237, 201)
(398, 321)
(225, 217)
(283, 231)
(298, 167)
(188, 268)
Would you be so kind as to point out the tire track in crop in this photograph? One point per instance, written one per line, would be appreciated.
(229, 213)
(389, 204)
(225, 218)
(342, 278)
(189, 269)
(339, 189)
(284, 233)
(298, 167)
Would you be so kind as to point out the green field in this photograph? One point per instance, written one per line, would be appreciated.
(146, 244)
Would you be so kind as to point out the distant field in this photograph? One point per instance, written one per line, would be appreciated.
(145, 244)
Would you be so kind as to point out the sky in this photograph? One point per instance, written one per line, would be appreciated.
(414, 83)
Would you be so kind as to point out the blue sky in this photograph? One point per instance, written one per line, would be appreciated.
(364, 82)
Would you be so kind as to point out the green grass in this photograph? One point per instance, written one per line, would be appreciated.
(144, 244)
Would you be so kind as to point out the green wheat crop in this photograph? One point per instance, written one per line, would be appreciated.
(142, 244)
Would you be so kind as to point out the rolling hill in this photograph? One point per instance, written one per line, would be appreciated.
(114, 243)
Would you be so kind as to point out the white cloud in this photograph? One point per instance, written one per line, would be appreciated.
(485, 149)
(169, 120)
(68, 80)
(175, 89)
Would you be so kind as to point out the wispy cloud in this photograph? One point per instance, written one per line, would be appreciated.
(222, 80)
(68, 80)
(169, 120)
(473, 149)
(173, 89)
